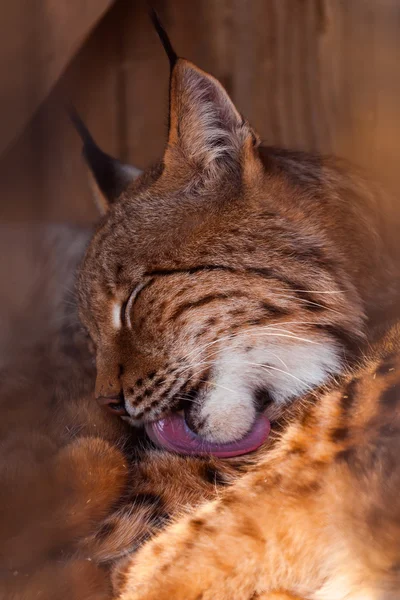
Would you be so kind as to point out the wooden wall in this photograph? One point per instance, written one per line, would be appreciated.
(314, 74)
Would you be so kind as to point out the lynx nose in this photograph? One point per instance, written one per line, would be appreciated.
(114, 404)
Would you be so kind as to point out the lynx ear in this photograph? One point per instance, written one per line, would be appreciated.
(206, 130)
(109, 176)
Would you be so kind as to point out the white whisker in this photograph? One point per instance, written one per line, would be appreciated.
(311, 291)
(219, 386)
(270, 367)
(276, 326)
(305, 301)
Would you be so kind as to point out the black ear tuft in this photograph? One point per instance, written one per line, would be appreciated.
(111, 175)
(162, 34)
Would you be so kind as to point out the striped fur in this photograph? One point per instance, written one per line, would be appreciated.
(267, 268)
(224, 243)
(234, 278)
(72, 512)
(197, 274)
(317, 517)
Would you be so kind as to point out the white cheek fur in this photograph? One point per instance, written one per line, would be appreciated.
(286, 369)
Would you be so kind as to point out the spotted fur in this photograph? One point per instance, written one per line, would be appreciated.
(253, 279)
(317, 517)
(89, 494)
(228, 259)
(232, 268)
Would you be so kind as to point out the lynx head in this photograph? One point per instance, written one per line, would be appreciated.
(210, 283)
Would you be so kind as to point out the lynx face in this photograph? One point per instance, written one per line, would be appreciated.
(220, 281)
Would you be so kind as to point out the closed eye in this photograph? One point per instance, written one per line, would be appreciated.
(126, 308)
(123, 311)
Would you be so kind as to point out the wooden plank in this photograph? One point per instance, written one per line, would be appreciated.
(322, 76)
(317, 75)
(144, 88)
(38, 39)
(275, 74)
(43, 176)
(196, 31)
(314, 74)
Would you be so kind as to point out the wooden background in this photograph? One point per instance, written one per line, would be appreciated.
(320, 75)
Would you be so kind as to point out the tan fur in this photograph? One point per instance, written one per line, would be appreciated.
(35, 561)
(224, 240)
(78, 489)
(319, 515)
(225, 247)
(221, 244)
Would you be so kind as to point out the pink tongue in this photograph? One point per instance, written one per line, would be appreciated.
(173, 434)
